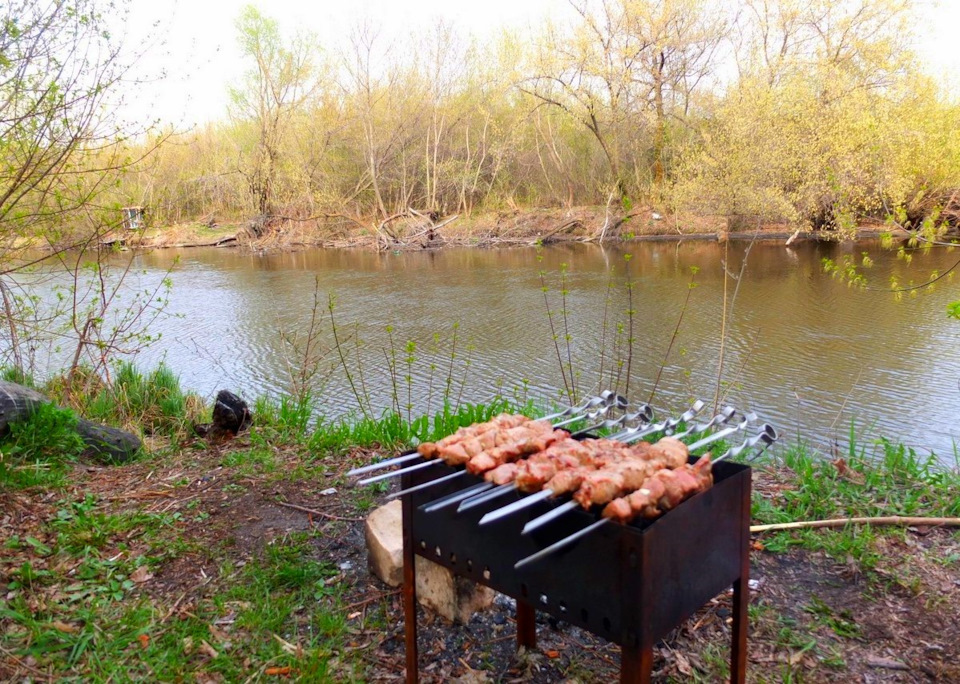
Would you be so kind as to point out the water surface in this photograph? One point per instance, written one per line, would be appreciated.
(803, 349)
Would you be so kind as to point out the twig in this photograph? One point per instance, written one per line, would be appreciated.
(366, 601)
(313, 511)
(842, 522)
(20, 663)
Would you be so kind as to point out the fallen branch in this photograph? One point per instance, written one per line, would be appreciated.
(843, 522)
(316, 512)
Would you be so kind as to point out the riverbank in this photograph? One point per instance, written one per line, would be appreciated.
(520, 227)
(245, 561)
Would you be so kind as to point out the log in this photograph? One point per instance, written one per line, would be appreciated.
(104, 443)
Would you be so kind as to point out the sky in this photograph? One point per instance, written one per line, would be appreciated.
(191, 55)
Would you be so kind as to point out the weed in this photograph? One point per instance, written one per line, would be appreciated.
(888, 480)
(286, 421)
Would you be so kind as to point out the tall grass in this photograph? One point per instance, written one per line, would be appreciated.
(393, 430)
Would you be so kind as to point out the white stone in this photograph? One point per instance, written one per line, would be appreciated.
(438, 589)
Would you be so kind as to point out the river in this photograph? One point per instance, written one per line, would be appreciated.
(803, 349)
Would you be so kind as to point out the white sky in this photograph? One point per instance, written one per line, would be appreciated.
(194, 41)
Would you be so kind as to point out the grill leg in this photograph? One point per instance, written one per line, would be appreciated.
(409, 592)
(741, 597)
(636, 664)
(526, 625)
(738, 652)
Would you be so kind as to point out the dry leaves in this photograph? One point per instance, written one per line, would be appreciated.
(141, 575)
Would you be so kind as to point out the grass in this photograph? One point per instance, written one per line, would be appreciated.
(871, 480)
(38, 452)
(260, 615)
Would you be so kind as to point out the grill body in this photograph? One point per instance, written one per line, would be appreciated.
(630, 584)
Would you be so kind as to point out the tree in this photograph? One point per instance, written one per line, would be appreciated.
(626, 68)
(59, 71)
(283, 81)
(62, 153)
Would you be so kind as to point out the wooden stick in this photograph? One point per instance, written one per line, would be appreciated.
(842, 522)
(314, 511)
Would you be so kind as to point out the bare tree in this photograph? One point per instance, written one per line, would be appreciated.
(280, 85)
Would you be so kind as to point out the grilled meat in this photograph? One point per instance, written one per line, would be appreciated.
(504, 421)
(616, 479)
(662, 491)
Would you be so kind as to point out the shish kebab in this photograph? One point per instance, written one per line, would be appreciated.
(501, 479)
(557, 464)
(609, 485)
(528, 440)
(659, 493)
(484, 445)
(514, 443)
(501, 431)
(569, 482)
(604, 400)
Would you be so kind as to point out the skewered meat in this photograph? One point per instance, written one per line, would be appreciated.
(616, 479)
(504, 421)
(513, 443)
(662, 491)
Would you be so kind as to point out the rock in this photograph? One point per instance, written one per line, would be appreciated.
(455, 598)
(384, 535)
(231, 413)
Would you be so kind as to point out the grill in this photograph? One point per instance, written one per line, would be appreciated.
(630, 584)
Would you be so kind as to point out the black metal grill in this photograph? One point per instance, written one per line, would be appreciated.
(630, 584)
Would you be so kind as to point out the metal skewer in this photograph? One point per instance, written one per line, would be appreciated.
(767, 435)
(425, 485)
(455, 497)
(569, 506)
(397, 473)
(605, 397)
(397, 460)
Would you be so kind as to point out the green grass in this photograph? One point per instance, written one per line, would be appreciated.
(877, 480)
(393, 430)
(38, 451)
(281, 609)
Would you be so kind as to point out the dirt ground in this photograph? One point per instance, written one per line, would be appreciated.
(812, 618)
